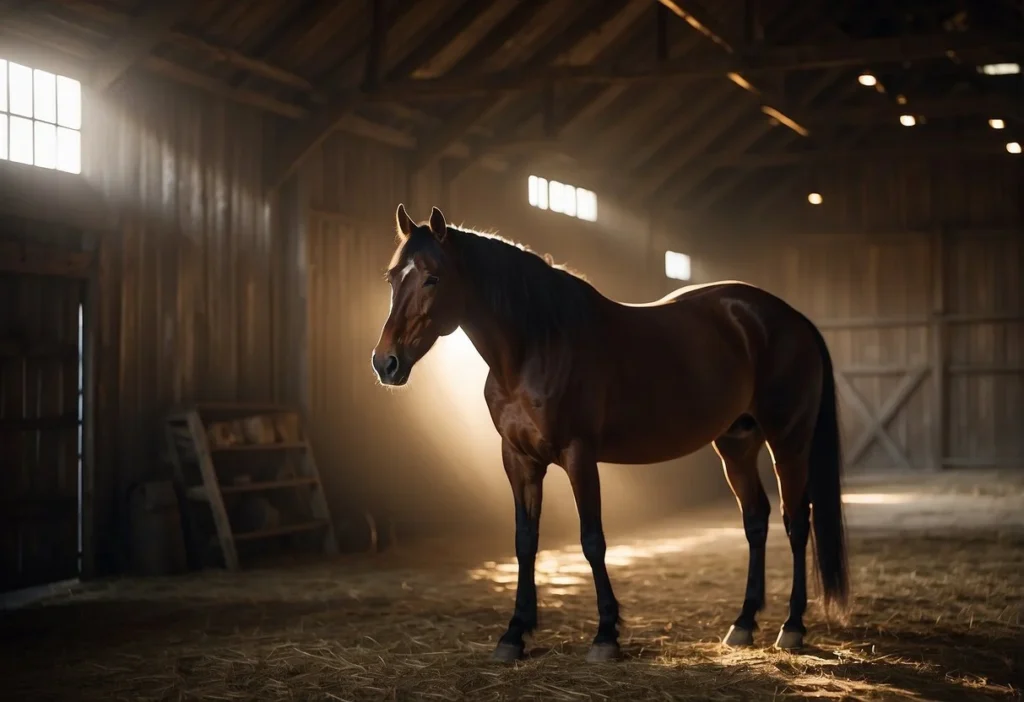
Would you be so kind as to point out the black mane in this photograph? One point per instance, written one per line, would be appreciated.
(540, 300)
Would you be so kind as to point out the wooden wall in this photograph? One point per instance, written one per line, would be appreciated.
(187, 280)
(39, 393)
(912, 268)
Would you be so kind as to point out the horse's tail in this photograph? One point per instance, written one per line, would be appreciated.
(824, 477)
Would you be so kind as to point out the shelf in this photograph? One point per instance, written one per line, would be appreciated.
(189, 441)
(281, 530)
(279, 446)
(198, 492)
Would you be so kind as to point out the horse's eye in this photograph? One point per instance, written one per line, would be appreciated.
(430, 281)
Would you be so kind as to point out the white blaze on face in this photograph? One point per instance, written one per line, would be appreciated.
(406, 270)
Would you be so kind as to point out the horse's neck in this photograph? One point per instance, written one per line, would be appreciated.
(490, 341)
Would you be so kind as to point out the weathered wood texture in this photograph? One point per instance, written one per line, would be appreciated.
(39, 402)
(186, 283)
(913, 271)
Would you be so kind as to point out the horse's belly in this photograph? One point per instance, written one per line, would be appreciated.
(660, 439)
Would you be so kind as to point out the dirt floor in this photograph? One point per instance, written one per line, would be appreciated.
(938, 580)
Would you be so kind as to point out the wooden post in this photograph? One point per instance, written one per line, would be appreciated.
(661, 34)
(375, 53)
(937, 333)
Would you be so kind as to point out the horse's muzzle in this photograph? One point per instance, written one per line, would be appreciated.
(389, 369)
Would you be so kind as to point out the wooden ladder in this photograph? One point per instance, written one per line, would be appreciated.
(242, 430)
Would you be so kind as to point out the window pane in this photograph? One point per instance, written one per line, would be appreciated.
(3, 137)
(569, 200)
(542, 193)
(21, 140)
(586, 205)
(555, 196)
(532, 189)
(69, 150)
(46, 145)
(677, 265)
(3, 86)
(45, 95)
(69, 103)
(20, 89)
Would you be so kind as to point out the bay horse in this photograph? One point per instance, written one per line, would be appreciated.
(576, 378)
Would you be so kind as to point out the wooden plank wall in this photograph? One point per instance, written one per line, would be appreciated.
(39, 381)
(913, 270)
(187, 286)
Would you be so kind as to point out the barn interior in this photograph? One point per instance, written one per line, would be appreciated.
(197, 207)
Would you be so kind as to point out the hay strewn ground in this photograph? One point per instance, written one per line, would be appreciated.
(937, 616)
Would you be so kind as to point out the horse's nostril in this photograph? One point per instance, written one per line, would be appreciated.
(391, 367)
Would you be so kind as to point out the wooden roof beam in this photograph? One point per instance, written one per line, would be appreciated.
(650, 182)
(140, 39)
(208, 50)
(591, 103)
(740, 175)
(986, 106)
(773, 59)
(707, 166)
(695, 173)
(924, 147)
(576, 33)
(323, 121)
(773, 104)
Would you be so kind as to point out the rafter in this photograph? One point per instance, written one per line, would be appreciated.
(1003, 106)
(825, 132)
(323, 121)
(196, 44)
(589, 104)
(709, 163)
(577, 108)
(936, 145)
(141, 38)
(769, 60)
(573, 35)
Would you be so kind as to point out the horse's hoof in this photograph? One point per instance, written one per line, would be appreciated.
(739, 636)
(789, 640)
(508, 653)
(604, 652)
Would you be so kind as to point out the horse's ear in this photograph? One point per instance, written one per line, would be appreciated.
(405, 225)
(437, 224)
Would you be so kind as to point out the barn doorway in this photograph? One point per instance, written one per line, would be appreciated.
(42, 472)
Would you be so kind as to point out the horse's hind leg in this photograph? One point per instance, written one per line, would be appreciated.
(789, 441)
(738, 449)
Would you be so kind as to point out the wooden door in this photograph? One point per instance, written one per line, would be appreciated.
(40, 428)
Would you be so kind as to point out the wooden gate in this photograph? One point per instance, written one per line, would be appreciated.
(41, 298)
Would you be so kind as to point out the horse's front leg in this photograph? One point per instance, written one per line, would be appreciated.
(581, 465)
(526, 477)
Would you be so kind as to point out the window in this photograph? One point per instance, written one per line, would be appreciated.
(677, 265)
(562, 198)
(40, 118)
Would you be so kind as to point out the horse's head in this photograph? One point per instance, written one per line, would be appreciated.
(426, 297)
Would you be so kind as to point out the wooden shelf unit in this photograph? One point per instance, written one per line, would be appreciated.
(271, 435)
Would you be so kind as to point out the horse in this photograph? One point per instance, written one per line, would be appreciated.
(576, 378)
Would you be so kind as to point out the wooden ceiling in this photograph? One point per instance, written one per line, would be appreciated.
(671, 104)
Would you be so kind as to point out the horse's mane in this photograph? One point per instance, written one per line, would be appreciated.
(539, 299)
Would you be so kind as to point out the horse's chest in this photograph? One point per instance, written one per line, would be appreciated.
(525, 423)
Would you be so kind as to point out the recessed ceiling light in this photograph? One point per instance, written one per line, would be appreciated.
(907, 120)
(867, 80)
(1000, 69)
(1013, 147)
(814, 198)
(996, 123)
